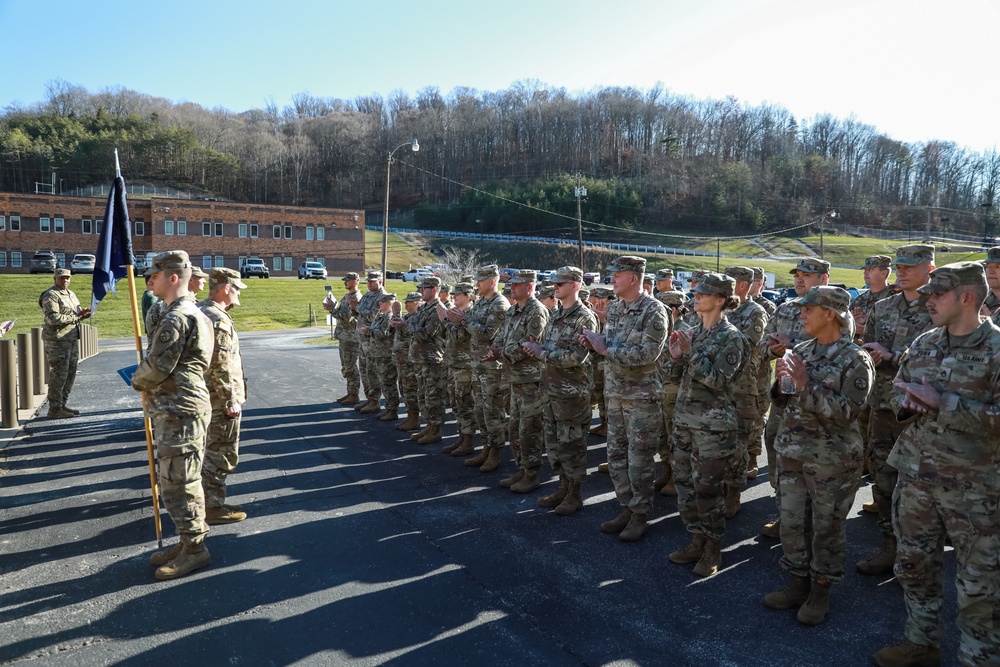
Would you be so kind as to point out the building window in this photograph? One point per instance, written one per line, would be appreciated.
(321, 260)
(276, 231)
(168, 227)
(321, 233)
(253, 231)
(43, 225)
(309, 233)
(218, 229)
(15, 225)
(288, 231)
(206, 229)
(243, 230)
(100, 226)
(3, 223)
(60, 260)
(288, 263)
(60, 225)
(276, 263)
(219, 261)
(87, 226)
(206, 261)
(3, 258)
(182, 228)
(138, 227)
(15, 259)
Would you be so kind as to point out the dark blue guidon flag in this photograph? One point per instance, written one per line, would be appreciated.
(114, 250)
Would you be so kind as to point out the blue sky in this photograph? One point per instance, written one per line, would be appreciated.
(915, 69)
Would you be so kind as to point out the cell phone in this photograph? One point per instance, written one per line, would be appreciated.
(328, 288)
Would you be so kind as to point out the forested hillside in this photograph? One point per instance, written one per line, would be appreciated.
(650, 160)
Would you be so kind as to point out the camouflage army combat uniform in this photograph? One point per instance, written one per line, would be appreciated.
(173, 376)
(458, 356)
(427, 339)
(383, 336)
(763, 385)
(227, 389)
(405, 370)
(348, 342)
(670, 386)
(949, 486)
(61, 339)
(366, 310)
(821, 456)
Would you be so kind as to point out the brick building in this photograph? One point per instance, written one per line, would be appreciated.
(214, 233)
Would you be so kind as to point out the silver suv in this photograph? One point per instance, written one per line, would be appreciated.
(43, 261)
(254, 266)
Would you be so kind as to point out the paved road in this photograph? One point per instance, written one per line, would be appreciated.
(363, 548)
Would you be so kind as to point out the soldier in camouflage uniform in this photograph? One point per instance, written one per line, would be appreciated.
(383, 338)
(427, 340)
(566, 386)
(61, 338)
(195, 284)
(458, 353)
(173, 376)
(227, 389)
(648, 281)
(821, 453)
(947, 392)
(706, 360)
(664, 281)
(893, 324)
(547, 297)
(482, 321)
(348, 342)
(633, 339)
(405, 370)
(749, 318)
(992, 264)
(366, 310)
(692, 319)
(675, 304)
(600, 297)
(783, 332)
(524, 323)
(763, 379)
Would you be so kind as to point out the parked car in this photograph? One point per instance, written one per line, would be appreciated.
(312, 270)
(254, 266)
(591, 277)
(393, 275)
(82, 263)
(417, 275)
(44, 261)
(507, 273)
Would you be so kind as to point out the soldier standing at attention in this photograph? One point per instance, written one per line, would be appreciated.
(366, 310)
(947, 392)
(482, 321)
(195, 284)
(383, 337)
(61, 338)
(458, 354)
(427, 339)
(821, 452)
(547, 297)
(566, 386)
(635, 334)
(763, 379)
(992, 264)
(692, 318)
(600, 297)
(892, 325)
(173, 376)
(707, 361)
(348, 345)
(647, 283)
(524, 323)
(674, 302)
(227, 389)
(749, 319)
(404, 368)
(783, 332)
(664, 280)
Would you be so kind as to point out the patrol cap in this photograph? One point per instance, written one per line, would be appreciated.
(463, 288)
(912, 255)
(523, 276)
(429, 281)
(812, 265)
(671, 298)
(374, 275)
(584, 294)
(547, 293)
(197, 272)
(713, 283)
(445, 288)
(950, 276)
(740, 273)
(224, 276)
(992, 255)
(648, 278)
(628, 263)
(665, 274)
(351, 276)
(469, 278)
(878, 262)
(62, 273)
(836, 299)
(758, 273)
(699, 274)
(172, 259)
(602, 292)
(487, 272)
(568, 274)
(386, 298)
(413, 296)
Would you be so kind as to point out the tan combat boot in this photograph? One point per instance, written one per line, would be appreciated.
(479, 459)
(572, 503)
(448, 449)
(600, 429)
(635, 529)
(421, 433)
(772, 529)
(871, 508)
(192, 557)
(433, 435)
(752, 469)
(412, 422)
(492, 461)
(908, 654)
(602, 467)
(558, 495)
(617, 524)
(73, 411)
(669, 489)
(528, 482)
(691, 553)
(711, 559)
(732, 501)
(815, 609)
(363, 404)
(216, 516)
(663, 479)
(508, 482)
(882, 562)
(59, 413)
(464, 445)
(371, 407)
(163, 557)
(389, 416)
(793, 595)
(348, 399)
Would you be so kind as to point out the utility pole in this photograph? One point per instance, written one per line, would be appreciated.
(580, 193)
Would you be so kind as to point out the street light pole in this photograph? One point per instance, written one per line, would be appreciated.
(385, 221)
(480, 238)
